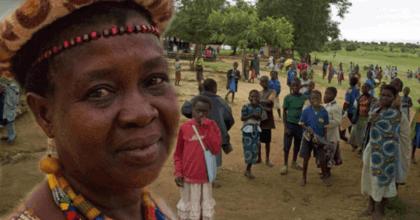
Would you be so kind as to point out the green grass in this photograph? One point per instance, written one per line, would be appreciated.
(404, 62)
(218, 66)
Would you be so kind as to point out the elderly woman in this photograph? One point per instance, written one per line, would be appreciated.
(97, 82)
(9, 96)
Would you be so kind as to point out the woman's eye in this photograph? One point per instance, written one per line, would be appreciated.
(99, 93)
(157, 80)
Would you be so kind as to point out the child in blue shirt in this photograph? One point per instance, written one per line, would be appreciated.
(351, 96)
(314, 121)
(291, 74)
(274, 84)
(371, 82)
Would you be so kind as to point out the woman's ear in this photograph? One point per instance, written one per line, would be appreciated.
(42, 109)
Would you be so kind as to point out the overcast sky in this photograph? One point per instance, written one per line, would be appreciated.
(382, 20)
(367, 20)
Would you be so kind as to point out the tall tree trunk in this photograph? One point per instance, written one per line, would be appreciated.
(235, 47)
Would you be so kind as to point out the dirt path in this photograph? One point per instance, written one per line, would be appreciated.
(269, 196)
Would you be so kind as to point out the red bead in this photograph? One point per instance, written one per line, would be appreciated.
(129, 29)
(114, 31)
(55, 49)
(66, 44)
(71, 215)
(79, 39)
(144, 28)
(94, 35)
(152, 30)
(47, 54)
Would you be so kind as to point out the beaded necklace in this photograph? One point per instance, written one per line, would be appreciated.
(75, 206)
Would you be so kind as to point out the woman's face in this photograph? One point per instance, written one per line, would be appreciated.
(387, 97)
(115, 111)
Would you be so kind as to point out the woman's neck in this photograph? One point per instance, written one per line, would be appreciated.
(117, 203)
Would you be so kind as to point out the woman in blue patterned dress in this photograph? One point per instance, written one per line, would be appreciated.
(252, 115)
(381, 159)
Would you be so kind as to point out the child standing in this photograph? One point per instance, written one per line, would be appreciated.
(251, 118)
(370, 81)
(381, 158)
(291, 74)
(233, 77)
(274, 84)
(190, 166)
(330, 72)
(304, 82)
(351, 95)
(363, 105)
(314, 121)
(406, 102)
(177, 71)
(332, 155)
(248, 70)
(340, 75)
(415, 134)
(267, 97)
(292, 111)
(199, 66)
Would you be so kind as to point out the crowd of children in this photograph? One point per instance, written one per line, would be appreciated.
(379, 127)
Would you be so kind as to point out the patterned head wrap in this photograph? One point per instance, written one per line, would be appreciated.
(18, 26)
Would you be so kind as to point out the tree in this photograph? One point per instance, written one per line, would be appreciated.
(311, 20)
(190, 22)
(240, 26)
(335, 45)
(351, 47)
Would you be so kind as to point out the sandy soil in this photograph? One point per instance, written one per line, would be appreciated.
(269, 196)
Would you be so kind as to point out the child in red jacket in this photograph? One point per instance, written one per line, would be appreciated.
(190, 167)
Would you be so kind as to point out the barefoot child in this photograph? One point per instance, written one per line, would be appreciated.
(199, 66)
(314, 121)
(177, 71)
(363, 105)
(381, 158)
(292, 111)
(251, 118)
(267, 97)
(190, 165)
(275, 85)
(233, 76)
(332, 155)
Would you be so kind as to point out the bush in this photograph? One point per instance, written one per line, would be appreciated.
(351, 47)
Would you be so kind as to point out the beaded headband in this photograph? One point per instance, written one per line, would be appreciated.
(94, 35)
(19, 26)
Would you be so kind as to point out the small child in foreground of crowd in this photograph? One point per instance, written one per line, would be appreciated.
(275, 85)
(251, 117)
(359, 120)
(314, 121)
(190, 165)
(267, 97)
(292, 111)
(335, 116)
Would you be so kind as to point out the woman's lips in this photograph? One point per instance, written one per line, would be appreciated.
(141, 156)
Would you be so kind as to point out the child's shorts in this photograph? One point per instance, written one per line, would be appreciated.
(265, 136)
(307, 147)
(296, 134)
(277, 102)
